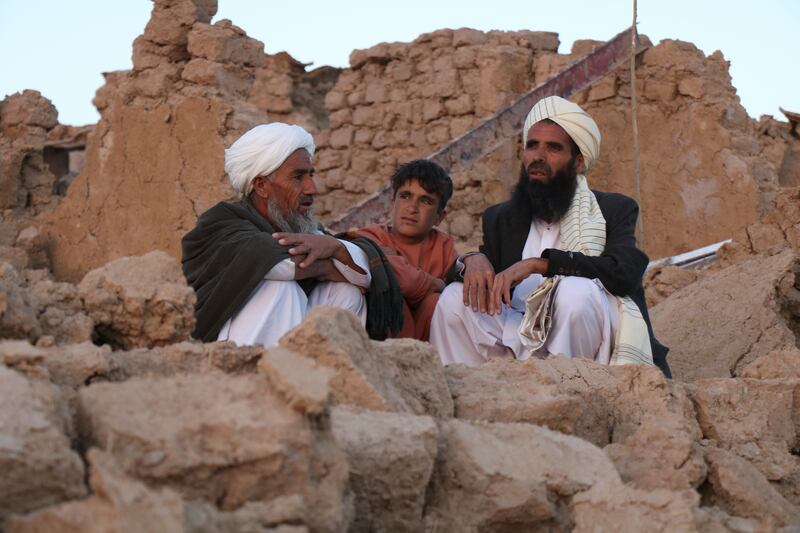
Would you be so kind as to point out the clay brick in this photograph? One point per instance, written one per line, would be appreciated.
(368, 116)
(340, 118)
(605, 88)
(691, 87)
(335, 100)
(342, 137)
(432, 109)
(659, 90)
(461, 105)
(468, 36)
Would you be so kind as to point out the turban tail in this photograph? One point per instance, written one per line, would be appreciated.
(261, 151)
(575, 121)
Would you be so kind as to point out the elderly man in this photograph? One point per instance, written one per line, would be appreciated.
(554, 230)
(258, 264)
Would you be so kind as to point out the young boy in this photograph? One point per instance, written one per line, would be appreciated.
(419, 254)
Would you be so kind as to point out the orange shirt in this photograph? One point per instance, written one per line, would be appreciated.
(417, 267)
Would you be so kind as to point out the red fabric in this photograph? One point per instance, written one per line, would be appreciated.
(417, 267)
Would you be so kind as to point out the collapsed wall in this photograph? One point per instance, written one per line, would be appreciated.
(154, 162)
(26, 182)
(703, 163)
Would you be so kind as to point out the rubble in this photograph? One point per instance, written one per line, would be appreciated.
(39, 466)
(719, 324)
(139, 302)
(226, 440)
(41, 310)
(397, 375)
(25, 181)
(495, 477)
(154, 161)
(391, 458)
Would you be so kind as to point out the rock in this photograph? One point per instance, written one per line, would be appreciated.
(299, 380)
(38, 464)
(72, 366)
(228, 440)
(18, 319)
(659, 456)
(504, 477)
(742, 490)
(187, 357)
(754, 419)
(751, 301)
(780, 364)
(609, 507)
(661, 282)
(25, 179)
(117, 503)
(595, 402)
(120, 503)
(61, 314)
(139, 301)
(391, 458)
(400, 375)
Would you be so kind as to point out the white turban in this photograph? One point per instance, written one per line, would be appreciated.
(575, 121)
(263, 149)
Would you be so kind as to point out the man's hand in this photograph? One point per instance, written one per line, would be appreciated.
(478, 279)
(321, 269)
(509, 278)
(313, 247)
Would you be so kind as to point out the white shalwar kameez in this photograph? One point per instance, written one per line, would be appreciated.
(585, 317)
(278, 303)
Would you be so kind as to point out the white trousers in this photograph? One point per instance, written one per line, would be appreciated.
(585, 318)
(275, 307)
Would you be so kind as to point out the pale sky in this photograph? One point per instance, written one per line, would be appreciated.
(61, 48)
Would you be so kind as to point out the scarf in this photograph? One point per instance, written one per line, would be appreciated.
(384, 299)
(583, 229)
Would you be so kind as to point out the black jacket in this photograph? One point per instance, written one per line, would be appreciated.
(620, 267)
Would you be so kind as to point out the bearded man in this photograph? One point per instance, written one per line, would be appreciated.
(260, 263)
(555, 227)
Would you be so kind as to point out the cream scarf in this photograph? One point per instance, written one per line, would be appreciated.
(583, 229)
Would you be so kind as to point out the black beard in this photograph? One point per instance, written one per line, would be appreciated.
(545, 201)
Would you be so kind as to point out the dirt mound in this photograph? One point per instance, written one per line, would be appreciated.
(358, 435)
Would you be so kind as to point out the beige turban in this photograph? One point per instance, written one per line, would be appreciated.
(260, 152)
(575, 121)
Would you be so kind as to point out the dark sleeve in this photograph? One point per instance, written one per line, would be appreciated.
(491, 243)
(621, 265)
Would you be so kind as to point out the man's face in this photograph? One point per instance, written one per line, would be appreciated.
(415, 212)
(293, 186)
(548, 150)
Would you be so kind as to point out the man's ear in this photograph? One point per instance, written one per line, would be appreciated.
(262, 186)
(440, 218)
(580, 164)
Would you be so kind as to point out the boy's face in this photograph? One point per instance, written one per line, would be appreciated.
(415, 212)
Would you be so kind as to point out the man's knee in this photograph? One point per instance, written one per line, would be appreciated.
(449, 300)
(577, 299)
(342, 295)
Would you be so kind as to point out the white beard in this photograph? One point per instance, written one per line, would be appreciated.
(293, 221)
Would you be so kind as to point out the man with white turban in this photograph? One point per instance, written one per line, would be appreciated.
(258, 264)
(558, 243)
